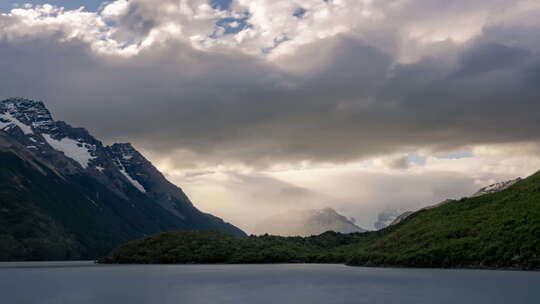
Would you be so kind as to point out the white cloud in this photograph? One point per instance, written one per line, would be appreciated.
(405, 29)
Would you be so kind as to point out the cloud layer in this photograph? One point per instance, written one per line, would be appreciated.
(279, 84)
(339, 87)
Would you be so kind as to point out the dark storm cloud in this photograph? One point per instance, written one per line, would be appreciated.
(349, 100)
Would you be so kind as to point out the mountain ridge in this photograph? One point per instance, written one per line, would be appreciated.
(110, 189)
(492, 188)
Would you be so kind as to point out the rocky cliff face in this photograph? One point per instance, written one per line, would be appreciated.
(97, 195)
(306, 223)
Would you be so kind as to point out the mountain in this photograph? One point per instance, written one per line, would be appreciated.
(386, 217)
(494, 230)
(406, 214)
(306, 222)
(493, 188)
(65, 195)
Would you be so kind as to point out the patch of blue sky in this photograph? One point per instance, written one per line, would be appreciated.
(421, 160)
(454, 155)
(221, 4)
(90, 5)
(277, 42)
(299, 13)
(233, 25)
(416, 159)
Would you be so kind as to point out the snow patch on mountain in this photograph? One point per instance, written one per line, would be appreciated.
(71, 148)
(7, 119)
(133, 181)
(493, 188)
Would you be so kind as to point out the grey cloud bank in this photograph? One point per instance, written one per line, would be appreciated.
(242, 109)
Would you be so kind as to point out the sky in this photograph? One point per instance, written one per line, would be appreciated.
(255, 107)
(7, 5)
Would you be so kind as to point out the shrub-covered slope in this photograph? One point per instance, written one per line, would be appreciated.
(493, 230)
(186, 247)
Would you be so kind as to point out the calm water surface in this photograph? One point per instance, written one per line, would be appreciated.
(84, 282)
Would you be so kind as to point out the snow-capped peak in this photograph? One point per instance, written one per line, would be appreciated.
(26, 112)
(43, 133)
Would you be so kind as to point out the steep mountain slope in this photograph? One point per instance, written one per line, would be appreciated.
(493, 188)
(497, 230)
(500, 229)
(306, 223)
(64, 195)
(406, 214)
(386, 217)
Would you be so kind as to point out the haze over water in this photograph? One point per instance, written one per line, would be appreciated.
(84, 282)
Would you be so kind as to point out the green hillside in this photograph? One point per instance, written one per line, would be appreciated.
(500, 230)
(206, 247)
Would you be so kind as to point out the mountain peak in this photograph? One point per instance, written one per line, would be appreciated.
(305, 222)
(25, 114)
(496, 187)
(123, 146)
(21, 100)
(30, 110)
(126, 150)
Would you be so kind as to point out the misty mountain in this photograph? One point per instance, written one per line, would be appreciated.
(497, 187)
(386, 217)
(65, 195)
(393, 217)
(306, 222)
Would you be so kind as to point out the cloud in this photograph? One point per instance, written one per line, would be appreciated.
(360, 190)
(338, 98)
(247, 198)
(396, 162)
(344, 81)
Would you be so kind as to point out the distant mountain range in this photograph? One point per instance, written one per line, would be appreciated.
(306, 222)
(64, 195)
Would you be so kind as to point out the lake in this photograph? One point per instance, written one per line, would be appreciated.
(85, 282)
